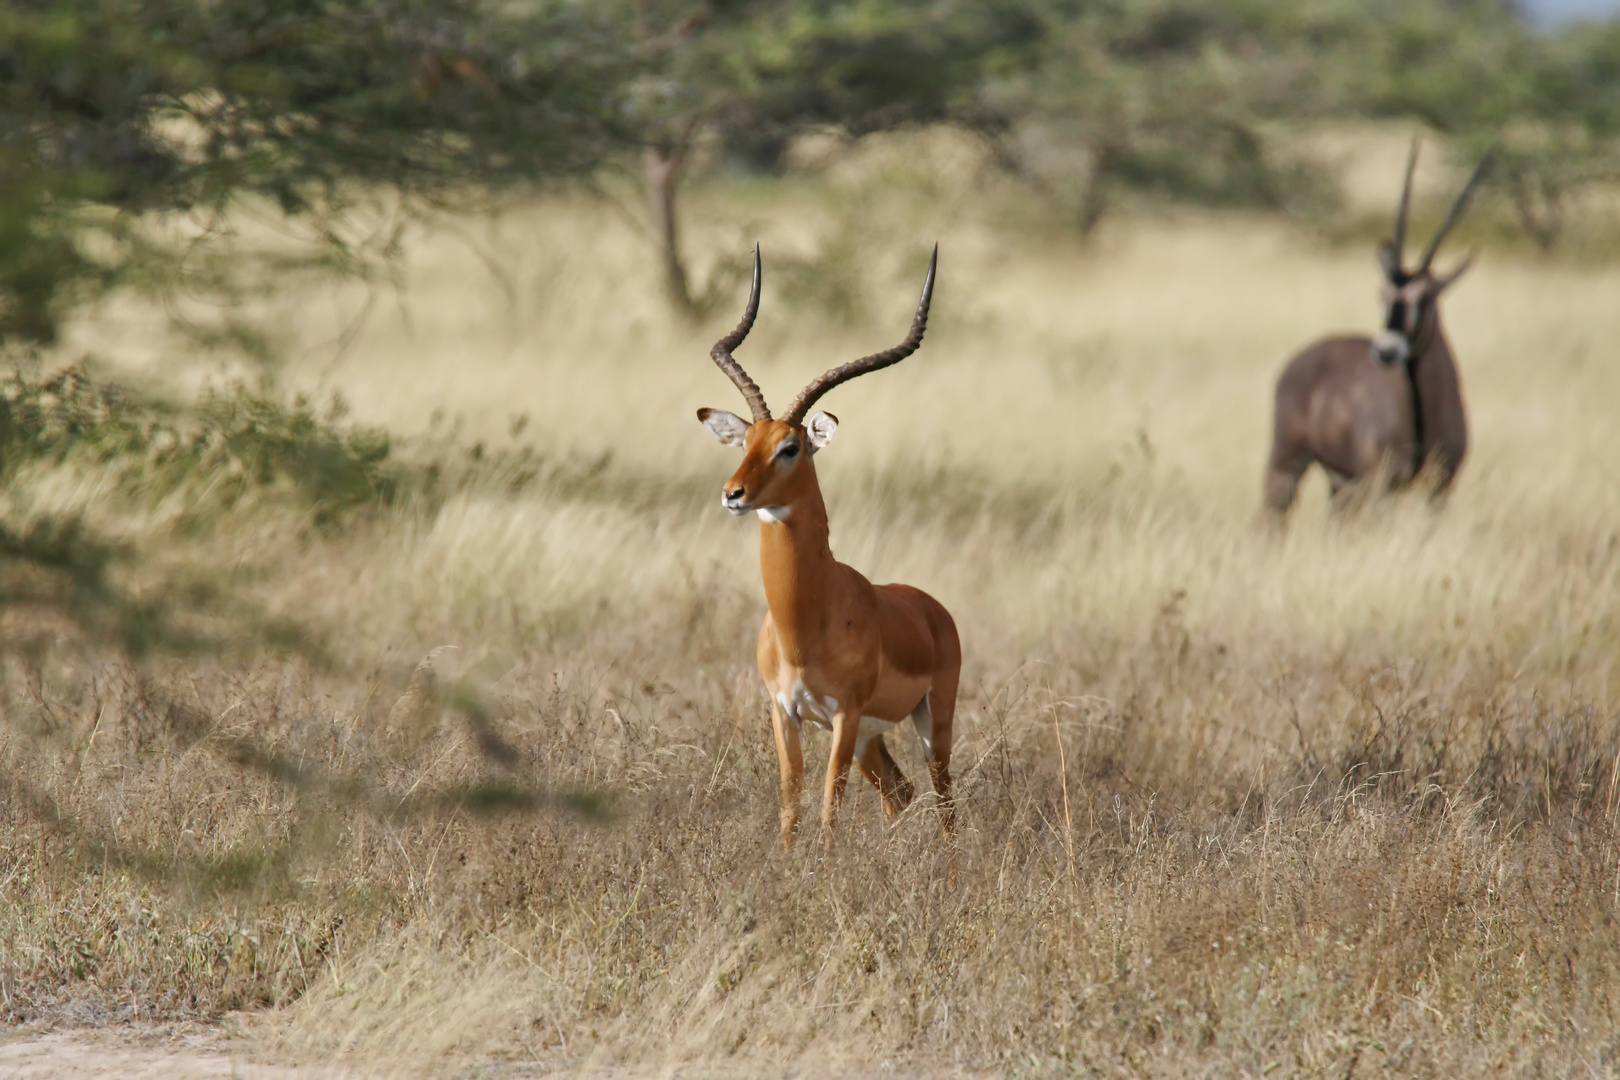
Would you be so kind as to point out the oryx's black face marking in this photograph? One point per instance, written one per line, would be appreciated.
(1406, 305)
(1396, 320)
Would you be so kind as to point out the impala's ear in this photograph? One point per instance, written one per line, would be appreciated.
(729, 428)
(820, 428)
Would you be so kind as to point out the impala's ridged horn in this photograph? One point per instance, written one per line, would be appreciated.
(1398, 244)
(1457, 208)
(838, 375)
(728, 364)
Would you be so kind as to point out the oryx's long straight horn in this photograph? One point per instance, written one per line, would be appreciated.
(728, 364)
(1399, 242)
(1457, 208)
(839, 375)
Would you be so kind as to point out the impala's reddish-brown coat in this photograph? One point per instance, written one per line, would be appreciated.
(834, 650)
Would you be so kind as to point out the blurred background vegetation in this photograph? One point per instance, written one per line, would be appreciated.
(129, 132)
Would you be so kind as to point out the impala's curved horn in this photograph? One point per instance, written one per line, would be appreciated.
(839, 375)
(728, 364)
(1457, 208)
(1398, 243)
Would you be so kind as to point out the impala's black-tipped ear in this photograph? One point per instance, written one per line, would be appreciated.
(729, 428)
(820, 428)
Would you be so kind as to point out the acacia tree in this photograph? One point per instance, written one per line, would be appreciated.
(1477, 73)
(1079, 98)
(1557, 129)
(112, 114)
(750, 74)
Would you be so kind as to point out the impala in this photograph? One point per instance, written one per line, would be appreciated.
(835, 650)
(1393, 400)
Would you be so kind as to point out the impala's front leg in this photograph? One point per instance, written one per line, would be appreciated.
(791, 759)
(846, 726)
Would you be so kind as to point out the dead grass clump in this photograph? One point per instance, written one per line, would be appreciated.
(1179, 891)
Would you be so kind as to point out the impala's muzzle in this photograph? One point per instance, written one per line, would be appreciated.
(1391, 347)
(736, 501)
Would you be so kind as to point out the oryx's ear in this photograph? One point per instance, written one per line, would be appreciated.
(729, 428)
(1441, 284)
(820, 428)
(1389, 261)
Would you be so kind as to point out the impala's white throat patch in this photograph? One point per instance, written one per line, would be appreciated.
(774, 515)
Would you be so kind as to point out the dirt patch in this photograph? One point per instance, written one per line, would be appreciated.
(81, 1053)
(59, 1055)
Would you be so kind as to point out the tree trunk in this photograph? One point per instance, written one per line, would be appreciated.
(1094, 201)
(1540, 206)
(662, 168)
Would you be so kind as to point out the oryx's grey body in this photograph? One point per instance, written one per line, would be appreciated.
(1356, 403)
(1341, 406)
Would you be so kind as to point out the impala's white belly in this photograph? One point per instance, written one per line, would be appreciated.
(800, 705)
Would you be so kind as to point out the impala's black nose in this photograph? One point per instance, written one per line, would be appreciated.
(734, 495)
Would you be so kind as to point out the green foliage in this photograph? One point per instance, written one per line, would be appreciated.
(229, 446)
(260, 442)
(111, 114)
(1560, 135)
(863, 68)
(1475, 72)
(129, 134)
(230, 443)
(750, 75)
(1161, 98)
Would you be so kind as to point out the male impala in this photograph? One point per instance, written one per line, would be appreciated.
(835, 650)
(1354, 403)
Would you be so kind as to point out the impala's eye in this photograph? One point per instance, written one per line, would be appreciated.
(791, 450)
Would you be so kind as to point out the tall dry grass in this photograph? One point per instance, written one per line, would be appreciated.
(1235, 801)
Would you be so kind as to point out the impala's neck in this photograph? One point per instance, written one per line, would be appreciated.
(797, 564)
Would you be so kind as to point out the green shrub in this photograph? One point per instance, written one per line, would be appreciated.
(231, 442)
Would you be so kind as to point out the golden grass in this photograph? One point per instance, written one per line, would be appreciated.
(1235, 802)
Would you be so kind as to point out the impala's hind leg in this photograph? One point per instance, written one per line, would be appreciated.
(933, 717)
(877, 766)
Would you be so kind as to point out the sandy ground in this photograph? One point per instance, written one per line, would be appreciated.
(60, 1055)
(202, 1055)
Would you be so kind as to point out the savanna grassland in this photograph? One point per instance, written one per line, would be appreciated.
(443, 750)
